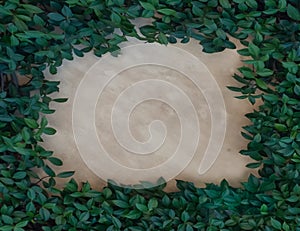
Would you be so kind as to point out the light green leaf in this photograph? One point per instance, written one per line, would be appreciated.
(280, 127)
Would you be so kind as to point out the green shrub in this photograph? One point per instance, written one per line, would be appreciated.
(35, 35)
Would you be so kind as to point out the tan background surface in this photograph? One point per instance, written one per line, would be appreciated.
(229, 164)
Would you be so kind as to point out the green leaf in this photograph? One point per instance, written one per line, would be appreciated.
(117, 223)
(115, 18)
(38, 20)
(80, 206)
(49, 171)
(7, 219)
(23, 151)
(282, 5)
(31, 194)
(6, 228)
(66, 11)
(45, 214)
(147, 6)
(185, 216)
(76, 194)
(4, 11)
(297, 89)
(121, 204)
(167, 11)
(253, 50)
(264, 209)
(230, 222)
(162, 38)
(107, 193)
(225, 3)
(21, 224)
(285, 227)
(65, 174)
(141, 207)
(19, 175)
(14, 41)
(152, 203)
(60, 100)
(26, 134)
(55, 161)
(293, 12)
(221, 34)
(133, 214)
(166, 201)
(280, 127)
(49, 131)
(119, 2)
(7, 181)
(22, 26)
(56, 17)
(253, 165)
(246, 226)
(31, 123)
(261, 84)
(275, 223)
(265, 72)
(32, 9)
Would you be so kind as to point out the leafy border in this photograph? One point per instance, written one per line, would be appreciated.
(40, 34)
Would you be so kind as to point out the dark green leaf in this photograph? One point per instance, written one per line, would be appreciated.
(49, 131)
(115, 18)
(133, 214)
(31, 123)
(167, 11)
(121, 204)
(293, 12)
(147, 5)
(65, 174)
(55, 161)
(56, 17)
(225, 3)
(153, 203)
(261, 84)
(19, 175)
(141, 207)
(275, 223)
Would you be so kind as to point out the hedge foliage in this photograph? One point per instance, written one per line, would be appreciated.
(35, 35)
